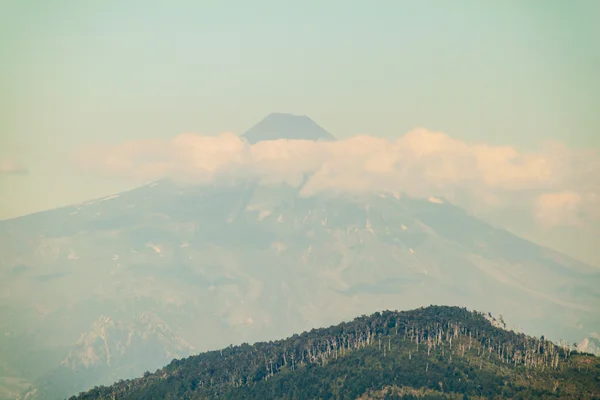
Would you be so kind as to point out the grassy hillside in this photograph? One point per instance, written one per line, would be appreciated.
(436, 352)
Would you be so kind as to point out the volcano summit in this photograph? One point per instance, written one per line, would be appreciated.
(286, 126)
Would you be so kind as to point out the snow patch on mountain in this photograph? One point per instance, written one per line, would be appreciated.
(435, 200)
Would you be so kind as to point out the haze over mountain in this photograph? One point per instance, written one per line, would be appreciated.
(110, 288)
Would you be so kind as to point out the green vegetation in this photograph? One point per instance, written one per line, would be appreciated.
(436, 352)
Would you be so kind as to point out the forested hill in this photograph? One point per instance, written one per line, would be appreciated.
(436, 352)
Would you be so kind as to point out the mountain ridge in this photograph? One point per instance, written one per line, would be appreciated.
(388, 352)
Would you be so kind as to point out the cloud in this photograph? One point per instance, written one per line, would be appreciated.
(560, 208)
(560, 185)
(12, 167)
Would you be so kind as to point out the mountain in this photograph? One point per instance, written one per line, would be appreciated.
(240, 262)
(166, 269)
(286, 126)
(432, 353)
(107, 351)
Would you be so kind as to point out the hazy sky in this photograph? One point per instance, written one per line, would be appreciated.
(74, 74)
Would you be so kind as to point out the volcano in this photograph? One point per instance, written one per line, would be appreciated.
(220, 264)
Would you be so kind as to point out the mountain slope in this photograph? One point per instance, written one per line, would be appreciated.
(286, 126)
(109, 351)
(432, 351)
(246, 262)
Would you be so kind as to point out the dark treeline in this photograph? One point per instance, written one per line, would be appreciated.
(433, 352)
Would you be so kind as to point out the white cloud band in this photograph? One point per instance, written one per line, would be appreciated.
(562, 185)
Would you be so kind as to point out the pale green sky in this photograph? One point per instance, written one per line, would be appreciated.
(75, 73)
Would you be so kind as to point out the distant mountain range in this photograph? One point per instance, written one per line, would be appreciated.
(110, 288)
(431, 353)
